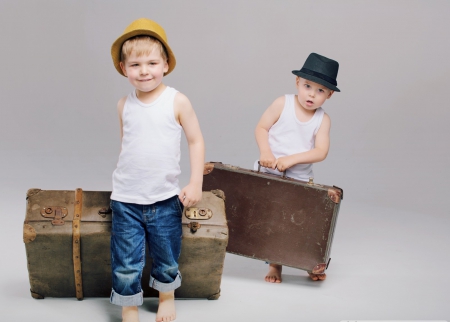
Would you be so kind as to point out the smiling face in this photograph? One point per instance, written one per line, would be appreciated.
(311, 95)
(146, 71)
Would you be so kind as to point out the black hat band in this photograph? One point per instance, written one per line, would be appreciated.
(319, 75)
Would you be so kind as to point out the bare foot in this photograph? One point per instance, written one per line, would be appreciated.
(130, 314)
(317, 277)
(274, 274)
(166, 308)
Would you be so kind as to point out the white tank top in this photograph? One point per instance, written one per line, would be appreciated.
(148, 166)
(290, 136)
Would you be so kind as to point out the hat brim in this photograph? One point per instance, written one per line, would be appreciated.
(116, 48)
(316, 79)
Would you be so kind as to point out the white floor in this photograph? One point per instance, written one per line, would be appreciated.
(386, 265)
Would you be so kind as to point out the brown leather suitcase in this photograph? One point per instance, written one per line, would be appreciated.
(67, 241)
(277, 219)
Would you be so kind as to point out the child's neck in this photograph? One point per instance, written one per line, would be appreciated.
(150, 97)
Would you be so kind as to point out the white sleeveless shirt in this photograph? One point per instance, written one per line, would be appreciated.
(148, 166)
(290, 136)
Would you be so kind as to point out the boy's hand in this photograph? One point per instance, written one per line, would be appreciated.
(267, 160)
(190, 195)
(283, 163)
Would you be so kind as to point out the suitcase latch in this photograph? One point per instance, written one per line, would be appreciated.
(57, 213)
(311, 183)
(198, 213)
(105, 211)
(194, 226)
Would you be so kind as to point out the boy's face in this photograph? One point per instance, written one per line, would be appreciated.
(311, 95)
(145, 72)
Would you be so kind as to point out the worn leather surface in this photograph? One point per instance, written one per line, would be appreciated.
(275, 219)
(49, 248)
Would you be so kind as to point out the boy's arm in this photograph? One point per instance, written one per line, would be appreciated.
(185, 115)
(319, 153)
(269, 118)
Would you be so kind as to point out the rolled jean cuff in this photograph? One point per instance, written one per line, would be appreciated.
(126, 300)
(165, 287)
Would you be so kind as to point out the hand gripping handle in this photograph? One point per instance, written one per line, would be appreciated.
(259, 168)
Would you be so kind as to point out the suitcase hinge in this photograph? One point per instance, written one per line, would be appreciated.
(57, 213)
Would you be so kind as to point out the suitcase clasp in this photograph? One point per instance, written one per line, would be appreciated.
(198, 213)
(194, 226)
(57, 213)
(104, 211)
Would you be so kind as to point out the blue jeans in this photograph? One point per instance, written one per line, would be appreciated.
(160, 225)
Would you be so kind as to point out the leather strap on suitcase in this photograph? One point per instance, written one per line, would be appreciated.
(77, 243)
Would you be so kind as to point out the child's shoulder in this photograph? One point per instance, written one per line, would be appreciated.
(182, 107)
(181, 103)
(181, 99)
(277, 105)
(280, 101)
(122, 101)
(121, 104)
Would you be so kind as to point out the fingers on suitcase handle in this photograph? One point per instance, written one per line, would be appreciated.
(259, 168)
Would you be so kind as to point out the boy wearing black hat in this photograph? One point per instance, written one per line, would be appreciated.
(294, 132)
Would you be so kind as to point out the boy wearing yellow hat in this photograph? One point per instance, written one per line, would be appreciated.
(146, 200)
(294, 132)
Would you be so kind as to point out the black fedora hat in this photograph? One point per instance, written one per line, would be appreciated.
(321, 70)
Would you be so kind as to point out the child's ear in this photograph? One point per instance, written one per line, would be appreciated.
(166, 67)
(329, 95)
(122, 67)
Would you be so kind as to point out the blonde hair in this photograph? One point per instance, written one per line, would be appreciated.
(142, 45)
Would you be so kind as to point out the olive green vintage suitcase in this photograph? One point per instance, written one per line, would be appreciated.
(67, 241)
(277, 219)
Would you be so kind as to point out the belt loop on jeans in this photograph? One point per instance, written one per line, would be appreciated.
(76, 242)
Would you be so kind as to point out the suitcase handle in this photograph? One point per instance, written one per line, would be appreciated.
(259, 168)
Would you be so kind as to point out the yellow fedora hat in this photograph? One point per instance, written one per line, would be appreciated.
(138, 27)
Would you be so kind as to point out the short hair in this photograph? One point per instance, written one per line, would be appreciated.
(142, 45)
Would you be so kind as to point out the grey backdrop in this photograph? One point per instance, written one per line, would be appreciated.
(389, 138)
